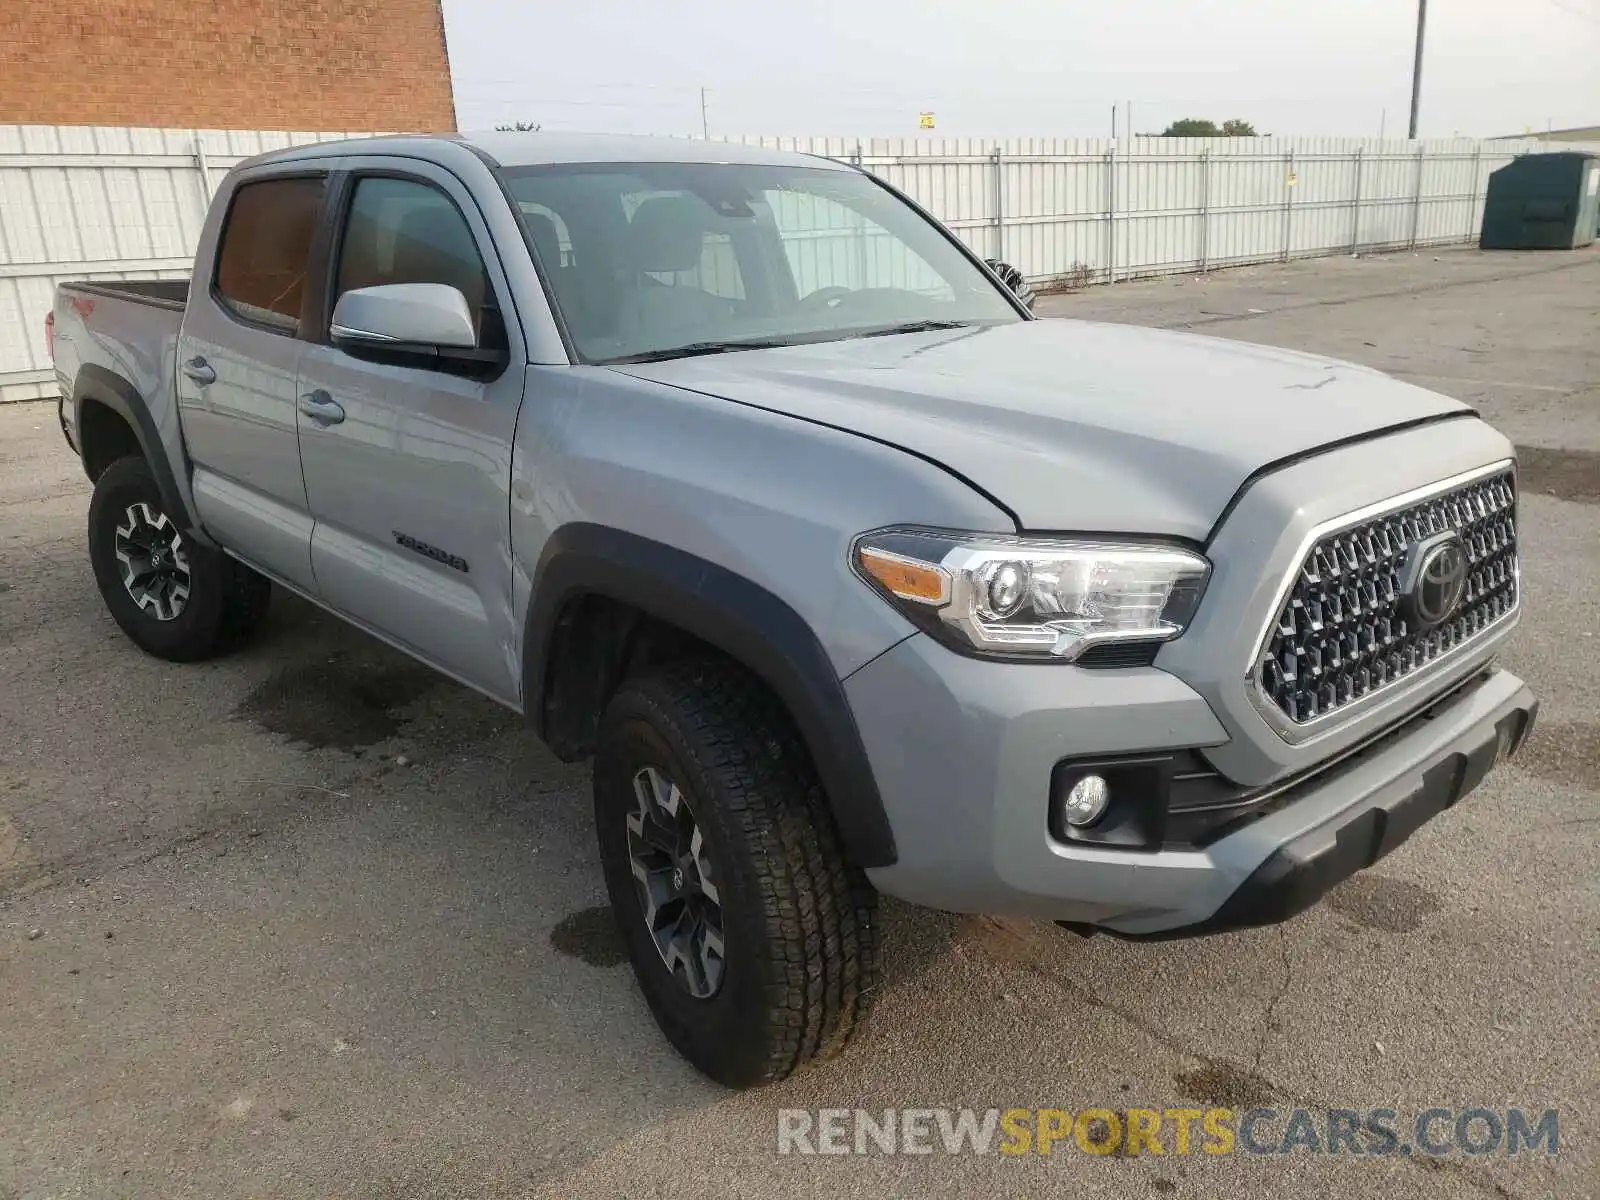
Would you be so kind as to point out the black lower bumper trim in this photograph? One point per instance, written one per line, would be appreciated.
(66, 430)
(1301, 872)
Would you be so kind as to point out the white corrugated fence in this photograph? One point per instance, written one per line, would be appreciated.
(1099, 210)
(101, 203)
(93, 202)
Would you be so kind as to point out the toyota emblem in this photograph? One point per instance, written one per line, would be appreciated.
(1435, 580)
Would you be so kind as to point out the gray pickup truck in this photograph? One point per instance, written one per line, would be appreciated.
(736, 471)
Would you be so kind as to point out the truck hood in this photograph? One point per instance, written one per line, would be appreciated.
(1073, 425)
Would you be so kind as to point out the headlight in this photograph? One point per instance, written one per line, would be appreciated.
(1032, 597)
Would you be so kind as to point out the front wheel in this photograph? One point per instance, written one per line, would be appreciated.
(173, 596)
(753, 939)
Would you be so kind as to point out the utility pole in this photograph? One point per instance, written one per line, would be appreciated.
(1416, 67)
(705, 126)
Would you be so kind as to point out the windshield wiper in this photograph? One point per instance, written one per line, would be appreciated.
(914, 327)
(693, 349)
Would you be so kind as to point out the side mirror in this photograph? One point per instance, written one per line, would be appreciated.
(427, 325)
(1013, 280)
(413, 315)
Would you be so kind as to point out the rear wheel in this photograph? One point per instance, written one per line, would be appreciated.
(174, 597)
(753, 939)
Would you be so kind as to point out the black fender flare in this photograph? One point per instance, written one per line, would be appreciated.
(738, 617)
(96, 383)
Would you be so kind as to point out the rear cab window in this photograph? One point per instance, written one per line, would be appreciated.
(715, 269)
(265, 250)
(547, 230)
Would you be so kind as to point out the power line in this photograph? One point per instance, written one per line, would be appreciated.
(809, 89)
(1582, 14)
(586, 84)
(501, 98)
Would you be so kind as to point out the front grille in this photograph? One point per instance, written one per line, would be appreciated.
(1341, 633)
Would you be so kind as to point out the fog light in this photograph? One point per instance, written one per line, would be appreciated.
(1086, 802)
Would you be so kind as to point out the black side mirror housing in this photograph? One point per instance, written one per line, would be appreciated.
(1013, 279)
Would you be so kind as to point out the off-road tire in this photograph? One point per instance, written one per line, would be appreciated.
(226, 602)
(799, 921)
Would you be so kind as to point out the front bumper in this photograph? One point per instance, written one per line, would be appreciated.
(963, 751)
(1300, 872)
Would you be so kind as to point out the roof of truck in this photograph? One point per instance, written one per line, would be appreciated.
(529, 149)
(508, 149)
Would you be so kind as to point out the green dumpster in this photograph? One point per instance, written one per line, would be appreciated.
(1542, 202)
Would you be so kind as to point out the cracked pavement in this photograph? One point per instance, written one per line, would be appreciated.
(312, 922)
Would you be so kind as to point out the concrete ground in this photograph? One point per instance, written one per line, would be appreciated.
(311, 922)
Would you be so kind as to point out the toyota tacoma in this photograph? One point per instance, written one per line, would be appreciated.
(737, 472)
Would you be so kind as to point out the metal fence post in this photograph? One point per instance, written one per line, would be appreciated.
(1477, 180)
(862, 269)
(1205, 210)
(1111, 214)
(204, 167)
(1288, 200)
(1416, 200)
(1355, 233)
(999, 205)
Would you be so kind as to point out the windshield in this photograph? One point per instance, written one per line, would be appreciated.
(657, 260)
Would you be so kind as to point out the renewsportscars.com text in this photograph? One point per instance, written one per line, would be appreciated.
(1434, 1132)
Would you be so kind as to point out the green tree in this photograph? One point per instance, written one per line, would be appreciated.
(1192, 127)
(1197, 127)
(519, 127)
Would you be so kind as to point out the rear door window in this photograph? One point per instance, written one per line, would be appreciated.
(266, 245)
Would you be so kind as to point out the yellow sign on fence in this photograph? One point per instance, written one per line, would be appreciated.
(925, 120)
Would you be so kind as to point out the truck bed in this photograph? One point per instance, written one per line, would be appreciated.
(162, 293)
(116, 342)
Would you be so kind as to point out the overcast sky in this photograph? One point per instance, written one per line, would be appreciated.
(1022, 67)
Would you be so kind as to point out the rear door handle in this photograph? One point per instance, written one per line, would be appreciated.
(199, 370)
(322, 408)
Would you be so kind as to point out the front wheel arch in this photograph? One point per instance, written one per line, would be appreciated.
(597, 588)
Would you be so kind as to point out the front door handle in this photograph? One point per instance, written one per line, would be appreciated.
(321, 408)
(199, 370)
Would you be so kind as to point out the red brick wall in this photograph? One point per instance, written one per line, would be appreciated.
(226, 64)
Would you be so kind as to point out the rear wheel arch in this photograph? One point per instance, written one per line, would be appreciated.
(607, 604)
(104, 436)
(114, 422)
